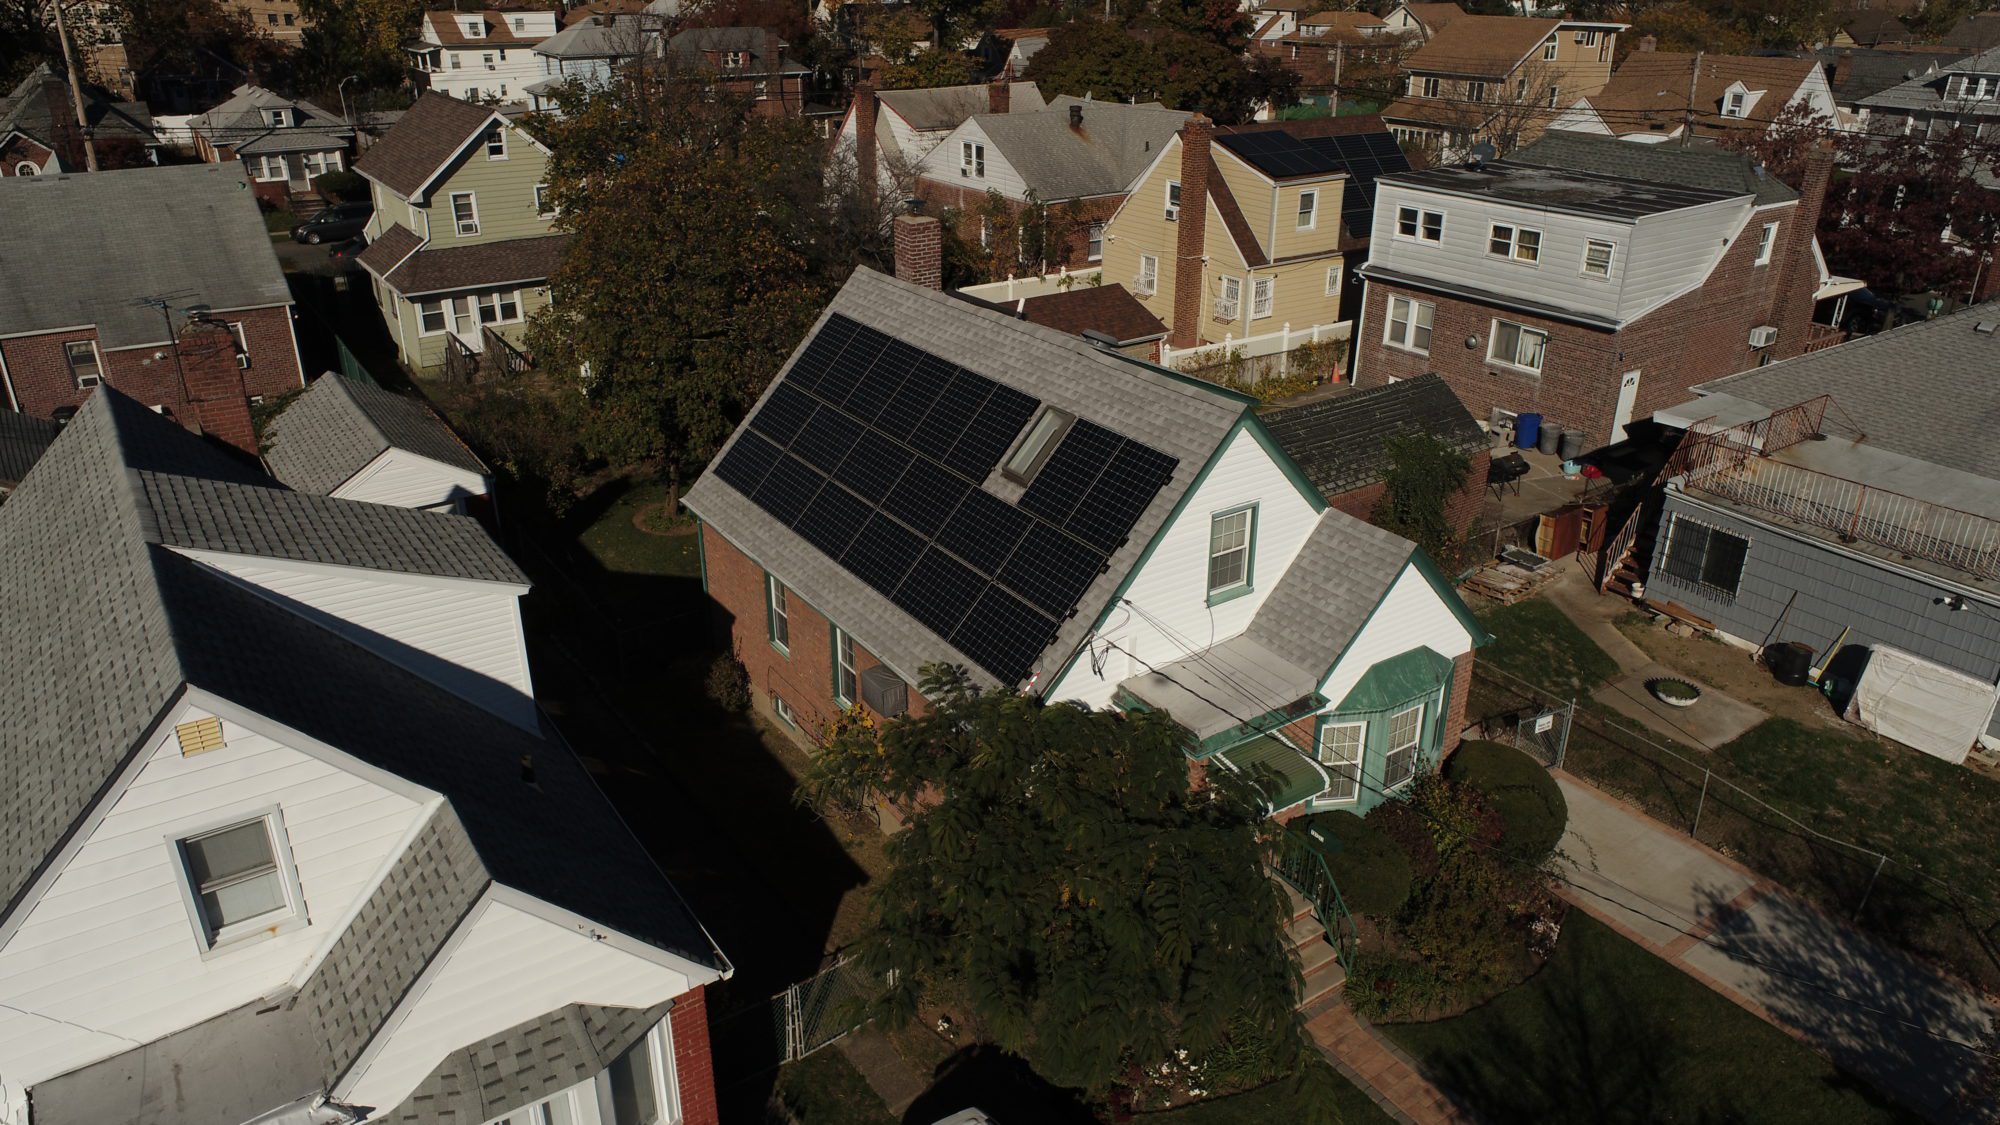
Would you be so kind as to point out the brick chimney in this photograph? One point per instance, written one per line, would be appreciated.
(218, 404)
(1649, 43)
(1189, 276)
(864, 137)
(999, 95)
(1842, 68)
(1798, 277)
(920, 250)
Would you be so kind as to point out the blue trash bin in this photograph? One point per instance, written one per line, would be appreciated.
(1527, 430)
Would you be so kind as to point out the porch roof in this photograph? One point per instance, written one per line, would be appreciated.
(1238, 687)
(1283, 774)
(1398, 679)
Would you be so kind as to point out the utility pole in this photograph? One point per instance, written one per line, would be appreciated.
(75, 87)
(1687, 120)
(1339, 52)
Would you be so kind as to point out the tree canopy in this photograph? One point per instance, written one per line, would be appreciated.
(704, 241)
(1423, 474)
(1910, 214)
(1060, 879)
(1179, 68)
(931, 67)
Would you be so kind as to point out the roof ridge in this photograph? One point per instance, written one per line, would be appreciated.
(368, 421)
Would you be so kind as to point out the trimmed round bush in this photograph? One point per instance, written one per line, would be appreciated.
(1372, 872)
(1531, 807)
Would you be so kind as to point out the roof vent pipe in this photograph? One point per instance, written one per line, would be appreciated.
(1076, 117)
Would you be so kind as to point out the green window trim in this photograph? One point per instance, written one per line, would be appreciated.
(1248, 583)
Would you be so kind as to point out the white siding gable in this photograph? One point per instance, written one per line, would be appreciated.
(463, 636)
(1169, 616)
(107, 956)
(945, 164)
(545, 965)
(1411, 615)
(1674, 252)
(408, 480)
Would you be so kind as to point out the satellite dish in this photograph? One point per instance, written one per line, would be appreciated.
(1483, 152)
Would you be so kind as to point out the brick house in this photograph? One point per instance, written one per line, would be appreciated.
(930, 481)
(1342, 443)
(105, 270)
(1335, 53)
(284, 143)
(39, 134)
(293, 779)
(1078, 158)
(1499, 80)
(1590, 280)
(751, 63)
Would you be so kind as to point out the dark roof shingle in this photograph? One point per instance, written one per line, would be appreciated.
(1342, 443)
(428, 134)
(339, 426)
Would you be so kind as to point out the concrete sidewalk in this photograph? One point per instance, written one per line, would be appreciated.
(1898, 1024)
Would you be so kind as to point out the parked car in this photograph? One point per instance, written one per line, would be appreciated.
(337, 223)
(345, 253)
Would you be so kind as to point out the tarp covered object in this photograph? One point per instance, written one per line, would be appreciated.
(1921, 704)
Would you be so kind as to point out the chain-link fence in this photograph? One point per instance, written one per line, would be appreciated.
(1677, 786)
(794, 1023)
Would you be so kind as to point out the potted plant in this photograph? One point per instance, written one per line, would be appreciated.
(1674, 692)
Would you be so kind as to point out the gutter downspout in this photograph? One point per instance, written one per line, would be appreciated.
(7, 381)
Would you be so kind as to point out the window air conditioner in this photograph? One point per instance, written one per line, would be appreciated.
(1763, 336)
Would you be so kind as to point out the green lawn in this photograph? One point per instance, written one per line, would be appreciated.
(824, 1089)
(1276, 1102)
(619, 546)
(1608, 1033)
(1533, 640)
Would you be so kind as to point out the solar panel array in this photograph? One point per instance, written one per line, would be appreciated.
(1363, 156)
(874, 452)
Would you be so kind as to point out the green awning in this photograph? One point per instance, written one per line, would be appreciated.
(1282, 774)
(1397, 680)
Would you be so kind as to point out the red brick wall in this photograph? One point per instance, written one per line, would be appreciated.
(694, 1069)
(1700, 336)
(41, 377)
(967, 203)
(1461, 688)
(21, 148)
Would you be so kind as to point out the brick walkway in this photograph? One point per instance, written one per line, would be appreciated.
(1380, 1068)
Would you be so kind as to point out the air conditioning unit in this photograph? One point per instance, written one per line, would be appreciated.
(1763, 336)
(1173, 213)
(243, 360)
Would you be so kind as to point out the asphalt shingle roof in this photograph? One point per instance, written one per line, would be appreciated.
(1693, 166)
(947, 107)
(1926, 91)
(23, 440)
(1325, 597)
(243, 121)
(1175, 416)
(515, 261)
(85, 248)
(40, 107)
(1342, 443)
(1651, 89)
(1923, 390)
(765, 50)
(1109, 309)
(1480, 46)
(339, 426)
(429, 133)
(1102, 157)
(1864, 72)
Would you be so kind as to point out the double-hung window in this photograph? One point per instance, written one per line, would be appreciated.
(1704, 556)
(1262, 295)
(545, 208)
(1333, 281)
(465, 212)
(1406, 729)
(1522, 244)
(844, 675)
(1173, 200)
(499, 308)
(1517, 345)
(1340, 748)
(972, 159)
(1095, 252)
(430, 318)
(1308, 209)
(1229, 298)
(1231, 537)
(640, 1083)
(1429, 87)
(1475, 91)
(1409, 324)
(778, 613)
(238, 879)
(1735, 105)
(1426, 226)
(1549, 49)
(84, 366)
(496, 143)
(1149, 275)
(1767, 241)
(1597, 258)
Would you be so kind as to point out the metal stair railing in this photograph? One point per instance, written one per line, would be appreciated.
(1302, 866)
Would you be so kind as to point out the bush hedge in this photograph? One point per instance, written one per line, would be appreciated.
(1371, 870)
(341, 186)
(1531, 807)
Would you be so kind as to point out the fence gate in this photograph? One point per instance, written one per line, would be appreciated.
(1545, 734)
(818, 1010)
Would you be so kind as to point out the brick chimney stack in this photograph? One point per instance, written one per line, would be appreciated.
(1189, 239)
(864, 137)
(999, 95)
(217, 401)
(1843, 68)
(920, 250)
(1649, 43)
(1798, 277)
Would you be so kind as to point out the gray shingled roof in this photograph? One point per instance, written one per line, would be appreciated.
(339, 426)
(1692, 166)
(106, 626)
(1341, 443)
(1325, 597)
(40, 107)
(1178, 417)
(1865, 72)
(84, 248)
(767, 51)
(1926, 92)
(594, 37)
(1924, 390)
(947, 107)
(242, 122)
(1113, 147)
(23, 440)
(428, 134)
(524, 1064)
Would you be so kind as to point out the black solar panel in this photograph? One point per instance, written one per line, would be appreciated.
(907, 440)
(1363, 156)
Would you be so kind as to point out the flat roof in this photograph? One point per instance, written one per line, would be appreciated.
(1556, 189)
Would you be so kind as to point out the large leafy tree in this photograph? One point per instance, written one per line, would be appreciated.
(362, 38)
(174, 37)
(703, 243)
(1061, 880)
(25, 40)
(929, 68)
(1180, 68)
(1911, 215)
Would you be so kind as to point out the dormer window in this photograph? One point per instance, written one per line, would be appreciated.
(1972, 87)
(1738, 99)
(1734, 107)
(278, 118)
(473, 28)
(735, 60)
(520, 25)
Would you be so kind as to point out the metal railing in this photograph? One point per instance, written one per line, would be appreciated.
(1821, 336)
(1299, 863)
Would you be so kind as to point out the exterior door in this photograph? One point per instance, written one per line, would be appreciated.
(465, 320)
(1628, 396)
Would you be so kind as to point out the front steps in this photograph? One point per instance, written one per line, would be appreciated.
(1309, 945)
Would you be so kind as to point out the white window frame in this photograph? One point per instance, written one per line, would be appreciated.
(24, 168)
(1610, 257)
(1173, 201)
(277, 118)
(1228, 298)
(846, 677)
(539, 1112)
(498, 302)
(472, 205)
(1148, 281)
(1263, 297)
(96, 376)
(1430, 88)
(1421, 223)
(1247, 549)
(1586, 39)
(1308, 209)
(473, 28)
(210, 939)
(242, 343)
(543, 208)
(1094, 242)
(1404, 318)
(658, 1043)
(1335, 765)
(1522, 244)
(778, 614)
(426, 309)
(1736, 104)
(972, 159)
(1549, 50)
(1521, 332)
(1475, 91)
(1333, 281)
(783, 711)
(1412, 748)
(1767, 243)
(497, 135)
